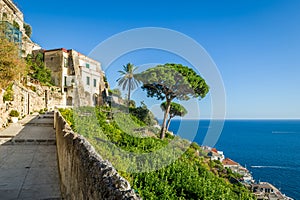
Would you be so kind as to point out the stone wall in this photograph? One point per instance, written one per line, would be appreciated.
(27, 100)
(3, 111)
(83, 172)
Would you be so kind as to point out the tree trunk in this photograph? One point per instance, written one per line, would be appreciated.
(129, 91)
(163, 129)
(168, 123)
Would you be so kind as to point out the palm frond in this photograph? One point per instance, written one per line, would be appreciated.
(127, 79)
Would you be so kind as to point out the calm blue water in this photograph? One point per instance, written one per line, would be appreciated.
(273, 146)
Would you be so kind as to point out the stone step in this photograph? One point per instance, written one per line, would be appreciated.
(47, 116)
(5, 136)
(30, 142)
(38, 124)
(4, 140)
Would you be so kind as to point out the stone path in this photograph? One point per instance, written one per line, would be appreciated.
(28, 160)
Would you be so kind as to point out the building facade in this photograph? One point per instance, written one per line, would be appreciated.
(214, 154)
(80, 78)
(265, 190)
(13, 20)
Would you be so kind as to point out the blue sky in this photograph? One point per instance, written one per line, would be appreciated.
(255, 44)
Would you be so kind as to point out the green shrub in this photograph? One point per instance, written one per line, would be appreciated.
(28, 29)
(38, 70)
(14, 113)
(9, 94)
(143, 114)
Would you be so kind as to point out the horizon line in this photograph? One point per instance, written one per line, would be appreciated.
(233, 119)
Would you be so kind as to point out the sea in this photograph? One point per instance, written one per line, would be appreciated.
(269, 149)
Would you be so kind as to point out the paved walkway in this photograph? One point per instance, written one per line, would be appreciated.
(28, 160)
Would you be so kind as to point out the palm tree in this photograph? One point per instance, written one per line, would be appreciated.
(127, 79)
(175, 110)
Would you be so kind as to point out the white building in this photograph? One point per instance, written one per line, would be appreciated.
(80, 77)
(214, 154)
(265, 190)
(91, 75)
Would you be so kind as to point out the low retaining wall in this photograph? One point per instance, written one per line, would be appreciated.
(26, 101)
(83, 173)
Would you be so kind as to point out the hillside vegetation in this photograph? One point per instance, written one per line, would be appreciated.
(188, 174)
(13, 67)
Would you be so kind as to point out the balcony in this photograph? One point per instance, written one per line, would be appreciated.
(11, 33)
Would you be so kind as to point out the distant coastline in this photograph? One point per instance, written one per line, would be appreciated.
(259, 143)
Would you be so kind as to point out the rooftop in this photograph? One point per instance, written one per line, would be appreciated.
(228, 161)
(214, 150)
(12, 5)
(70, 50)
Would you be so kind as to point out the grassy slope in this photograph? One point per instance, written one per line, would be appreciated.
(192, 176)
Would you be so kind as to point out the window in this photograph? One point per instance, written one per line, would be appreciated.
(95, 83)
(65, 81)
(88, 80)
(65, 62)
(87, 65)
(4, 17)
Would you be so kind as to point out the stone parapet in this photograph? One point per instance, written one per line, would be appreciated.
(83, 172)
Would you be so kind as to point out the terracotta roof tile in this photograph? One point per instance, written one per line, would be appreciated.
(228, 161)
(214, 150)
